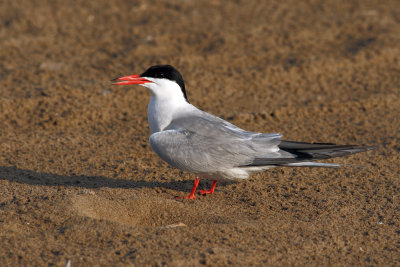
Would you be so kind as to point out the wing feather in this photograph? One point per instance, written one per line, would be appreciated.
(208, 144)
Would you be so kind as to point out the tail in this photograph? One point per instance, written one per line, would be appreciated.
(304, 153)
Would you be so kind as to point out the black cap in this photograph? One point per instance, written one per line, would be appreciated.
(166, 72)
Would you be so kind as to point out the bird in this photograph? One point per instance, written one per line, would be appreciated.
(211, 148)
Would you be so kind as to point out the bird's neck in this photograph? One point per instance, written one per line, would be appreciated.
(160, 112)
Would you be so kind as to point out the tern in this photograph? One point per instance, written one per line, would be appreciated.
(197, 142)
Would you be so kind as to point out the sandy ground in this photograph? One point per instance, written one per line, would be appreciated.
(79, 181)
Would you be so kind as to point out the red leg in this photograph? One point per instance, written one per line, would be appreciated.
(191, 196)
(203, 192)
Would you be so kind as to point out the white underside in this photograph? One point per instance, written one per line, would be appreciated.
(245, 172)
(233, 174)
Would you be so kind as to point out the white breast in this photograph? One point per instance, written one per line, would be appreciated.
(160, 113)
(166, 103)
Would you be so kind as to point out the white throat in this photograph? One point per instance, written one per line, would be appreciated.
(166, 103)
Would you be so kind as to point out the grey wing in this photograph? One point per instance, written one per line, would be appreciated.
(207, 144)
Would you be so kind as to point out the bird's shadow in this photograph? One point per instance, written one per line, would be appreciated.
(22, 176)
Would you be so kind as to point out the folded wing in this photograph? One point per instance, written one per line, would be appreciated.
(207, 144)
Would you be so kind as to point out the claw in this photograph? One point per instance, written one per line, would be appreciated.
(204, 192)
(192, 196)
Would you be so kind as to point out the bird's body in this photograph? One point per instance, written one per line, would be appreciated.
(210, 147)
(197, 142)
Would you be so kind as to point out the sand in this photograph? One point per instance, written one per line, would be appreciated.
(79, 181)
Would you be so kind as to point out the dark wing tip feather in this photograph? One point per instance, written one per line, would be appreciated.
(310, 152)
(315, 151)
(303, 147)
